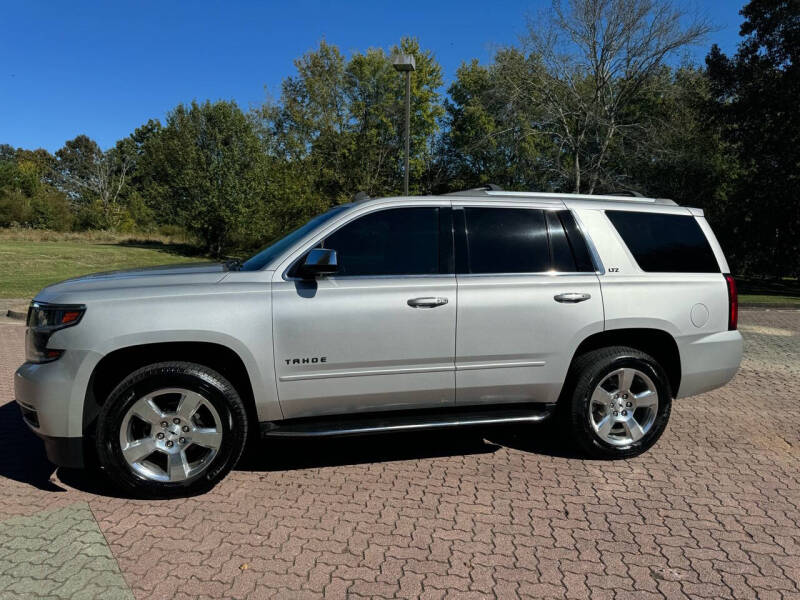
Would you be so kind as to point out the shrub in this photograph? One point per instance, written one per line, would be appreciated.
(50, 210)
(14, 208)
(47, 209)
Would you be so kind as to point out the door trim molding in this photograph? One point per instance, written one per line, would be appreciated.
(500, 365)
(365, 372)
(409, 370)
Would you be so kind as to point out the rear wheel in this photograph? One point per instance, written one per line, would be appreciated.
(620, 403)
(171, 429)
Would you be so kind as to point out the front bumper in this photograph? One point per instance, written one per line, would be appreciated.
(50, 396)
(64, 451)
(61, 451)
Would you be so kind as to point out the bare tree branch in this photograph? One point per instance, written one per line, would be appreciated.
(598, 56)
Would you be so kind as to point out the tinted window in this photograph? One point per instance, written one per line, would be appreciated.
(506, 240)
(562, 259)
(401, 241)
(272, 252)
(665, 243)
(577, 243)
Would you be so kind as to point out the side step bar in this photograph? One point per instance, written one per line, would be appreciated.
(397, 421)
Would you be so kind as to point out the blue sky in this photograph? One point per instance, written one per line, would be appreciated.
(105, 68)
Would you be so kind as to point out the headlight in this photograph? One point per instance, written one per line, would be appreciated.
(43, 321)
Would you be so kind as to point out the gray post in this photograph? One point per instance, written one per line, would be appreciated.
(408, 131)
(406, 64)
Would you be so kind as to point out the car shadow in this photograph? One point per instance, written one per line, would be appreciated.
(275, 455)
(22, 456)
(548, 438)
(309, 453)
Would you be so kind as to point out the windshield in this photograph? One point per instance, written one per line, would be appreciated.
(271, 252)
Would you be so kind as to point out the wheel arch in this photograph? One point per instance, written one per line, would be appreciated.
(120, 363)
(656, 342)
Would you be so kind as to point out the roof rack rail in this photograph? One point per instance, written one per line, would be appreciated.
(478, 191)
(492, 190)
(630, 193)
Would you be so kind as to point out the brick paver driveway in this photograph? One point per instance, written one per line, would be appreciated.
(712, 511)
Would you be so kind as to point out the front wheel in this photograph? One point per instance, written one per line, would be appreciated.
(171, 429)
(620, 403)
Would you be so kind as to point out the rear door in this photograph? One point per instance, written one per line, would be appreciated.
(528, 294)
(380, 334)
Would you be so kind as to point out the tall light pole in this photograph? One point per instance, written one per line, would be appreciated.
(405, 63)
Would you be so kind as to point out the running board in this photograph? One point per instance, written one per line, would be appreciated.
(398, 421)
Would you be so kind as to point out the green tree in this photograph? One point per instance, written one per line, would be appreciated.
(681, 154)
(207, 165)
(26, 197)
(338, 124)
(141, 193)
(490, 138)
(755, 95)
(93, 180)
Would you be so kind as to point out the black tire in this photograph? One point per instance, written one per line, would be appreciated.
(190, 376)
(587, 372)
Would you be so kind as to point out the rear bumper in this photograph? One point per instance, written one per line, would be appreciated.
(709, 362)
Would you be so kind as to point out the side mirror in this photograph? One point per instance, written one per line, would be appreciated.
(319, 261)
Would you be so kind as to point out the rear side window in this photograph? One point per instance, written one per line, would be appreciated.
(506, 240)
(665, 243)
(519, 240)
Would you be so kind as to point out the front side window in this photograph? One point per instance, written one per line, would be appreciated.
(399, 241)
(665, 243)
(506, 240)
(273, 251)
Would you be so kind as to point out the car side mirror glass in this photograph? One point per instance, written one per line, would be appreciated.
(319, 261)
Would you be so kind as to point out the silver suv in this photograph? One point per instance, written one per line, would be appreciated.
(476, 308)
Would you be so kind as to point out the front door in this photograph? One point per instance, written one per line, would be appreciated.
(379, 334)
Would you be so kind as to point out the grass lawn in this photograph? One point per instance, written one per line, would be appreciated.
(28, 266)
(765, 299)
(785, 291)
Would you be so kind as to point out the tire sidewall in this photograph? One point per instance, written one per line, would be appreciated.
(581, 417)
(216, 390)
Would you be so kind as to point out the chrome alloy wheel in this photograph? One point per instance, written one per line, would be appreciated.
(623, 406)
(171, 434)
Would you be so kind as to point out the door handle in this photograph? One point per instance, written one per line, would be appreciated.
(426, 302)
(572, 297)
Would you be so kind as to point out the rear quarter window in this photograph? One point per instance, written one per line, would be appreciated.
(662, 243)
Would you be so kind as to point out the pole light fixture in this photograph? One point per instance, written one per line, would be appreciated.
(405, 63)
